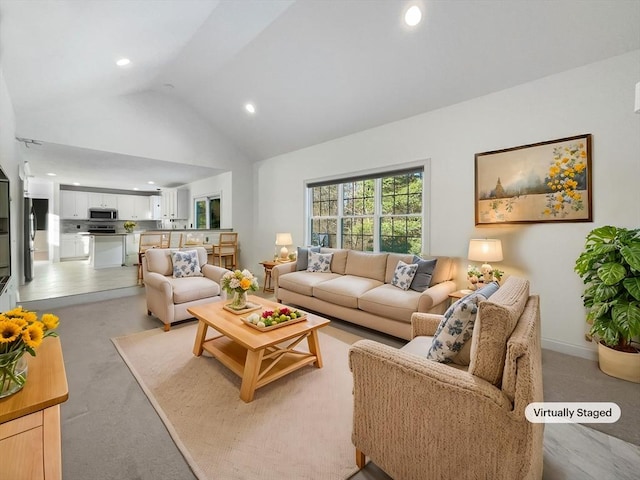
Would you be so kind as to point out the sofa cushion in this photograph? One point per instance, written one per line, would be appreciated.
(497, 317)
(391, 302)
(422, 279)
(185, 264)
(392, 262)
(456, 327)
(444, 270)
(159, 261)
(367, 265)
(302, 261)
(319, 262)
(303, 282)
(344, 290)
(403, 275)
(193, 288)
(339, 259)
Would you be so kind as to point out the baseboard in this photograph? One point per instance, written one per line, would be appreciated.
(590, 353)
(68, 300)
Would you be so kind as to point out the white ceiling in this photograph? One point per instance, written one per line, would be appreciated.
(315, 69)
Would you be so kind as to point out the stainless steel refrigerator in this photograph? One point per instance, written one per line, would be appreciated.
(29, 238)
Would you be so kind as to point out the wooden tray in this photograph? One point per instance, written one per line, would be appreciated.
(250, 308)
(277, 325)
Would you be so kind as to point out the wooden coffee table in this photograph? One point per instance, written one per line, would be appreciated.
(255, 356)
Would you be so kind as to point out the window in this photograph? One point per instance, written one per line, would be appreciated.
(207, 212)
(382, 212)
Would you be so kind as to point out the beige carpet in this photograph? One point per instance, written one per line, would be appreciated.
(297, 427)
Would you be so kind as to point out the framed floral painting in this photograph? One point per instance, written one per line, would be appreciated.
(543, 182)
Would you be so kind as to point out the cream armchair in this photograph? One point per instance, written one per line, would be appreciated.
(417, 418)
(167, 297)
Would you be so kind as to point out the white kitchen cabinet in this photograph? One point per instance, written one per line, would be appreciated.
(156, 207)
(74, 205)
(74, 246)
(103, 200)
(134, 207)
(175, 204)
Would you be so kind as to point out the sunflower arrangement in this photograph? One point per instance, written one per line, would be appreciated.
(21, 331)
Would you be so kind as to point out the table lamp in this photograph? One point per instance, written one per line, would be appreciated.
(485, 250)
(282, 240)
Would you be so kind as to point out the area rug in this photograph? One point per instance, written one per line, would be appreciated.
(297, 427)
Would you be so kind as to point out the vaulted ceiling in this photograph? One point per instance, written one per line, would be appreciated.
(314, 69)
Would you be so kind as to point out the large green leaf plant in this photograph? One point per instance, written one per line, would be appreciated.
(610, 269)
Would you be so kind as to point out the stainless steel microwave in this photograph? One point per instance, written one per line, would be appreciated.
(103, 214)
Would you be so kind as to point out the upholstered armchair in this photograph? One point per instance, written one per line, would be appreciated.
(417, 418)
(170, 292)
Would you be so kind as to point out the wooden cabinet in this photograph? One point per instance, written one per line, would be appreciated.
(134, 207)
(103, 200)
(30, 441)
(74, 205)
(156, 207)
(175, 204)
(73, 245)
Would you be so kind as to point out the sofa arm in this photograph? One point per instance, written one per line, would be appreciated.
(214, 272)
(281, 269)
(424, 324)
(435, 295)
(158, 282)
(404, 409)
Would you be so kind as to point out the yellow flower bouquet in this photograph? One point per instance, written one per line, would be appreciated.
(21, 331)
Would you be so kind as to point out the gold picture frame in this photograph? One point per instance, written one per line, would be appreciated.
(542, 182)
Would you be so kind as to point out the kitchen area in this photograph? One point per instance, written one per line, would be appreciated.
(86, 247)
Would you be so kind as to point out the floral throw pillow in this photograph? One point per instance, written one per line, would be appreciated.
(185, 264)
(403, 275)
(456, 328)
(319, 262)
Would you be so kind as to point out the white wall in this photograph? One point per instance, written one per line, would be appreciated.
(9, 161)
(147, 124)
(596, 99)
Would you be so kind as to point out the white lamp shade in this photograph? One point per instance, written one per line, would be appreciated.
(283, 239)
(485, 250)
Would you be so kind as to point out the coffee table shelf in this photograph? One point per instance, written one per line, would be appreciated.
(257, 357)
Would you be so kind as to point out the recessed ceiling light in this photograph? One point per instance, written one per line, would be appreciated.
(135, 188)
(76, 183)
(413, 16)
(51, 174)
(250, 107)
(123, 62)
(151, 182)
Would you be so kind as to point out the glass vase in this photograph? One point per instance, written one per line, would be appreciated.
(239, 300)
(13, 372)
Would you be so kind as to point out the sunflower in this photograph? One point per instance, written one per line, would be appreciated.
(50, 321)
(33, 335)
(9, 332)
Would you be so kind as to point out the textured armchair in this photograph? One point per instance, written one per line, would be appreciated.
(168, 297)
(419, 419)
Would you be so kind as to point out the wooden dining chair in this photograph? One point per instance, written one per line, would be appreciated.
(227, 248)
(147, 241)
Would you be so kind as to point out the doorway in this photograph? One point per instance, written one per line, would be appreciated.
(41, 242)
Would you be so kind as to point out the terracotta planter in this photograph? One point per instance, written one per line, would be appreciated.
(619, 364)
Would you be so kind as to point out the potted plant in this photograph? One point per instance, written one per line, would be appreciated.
(610, 269)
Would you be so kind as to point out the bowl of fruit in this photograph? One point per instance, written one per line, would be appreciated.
(270, 319)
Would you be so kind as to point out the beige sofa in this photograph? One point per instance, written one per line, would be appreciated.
(450, 422)
(358, 290)
(167, 297)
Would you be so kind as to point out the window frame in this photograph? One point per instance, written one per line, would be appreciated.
(207, 199)
(377, 175)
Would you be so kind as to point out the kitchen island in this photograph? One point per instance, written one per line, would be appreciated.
(108, 250)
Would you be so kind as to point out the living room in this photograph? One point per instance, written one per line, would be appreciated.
(267, 193)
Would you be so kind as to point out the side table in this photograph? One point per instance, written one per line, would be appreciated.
(268, 266)
(30, 442)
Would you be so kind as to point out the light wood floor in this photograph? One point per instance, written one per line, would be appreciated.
(52, 280)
